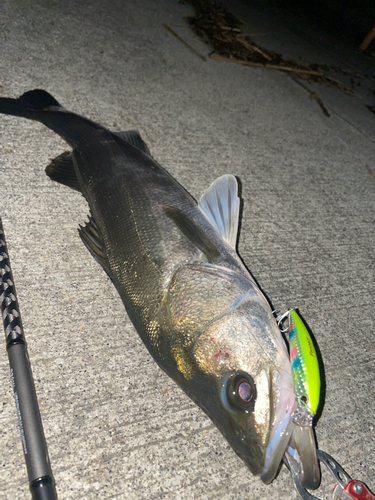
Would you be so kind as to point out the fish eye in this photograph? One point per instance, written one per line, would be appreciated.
(241, 391)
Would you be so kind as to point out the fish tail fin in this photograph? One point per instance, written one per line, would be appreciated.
(29, 105)
(39, 105)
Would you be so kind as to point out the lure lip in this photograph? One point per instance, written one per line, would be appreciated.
(302, 448)
(297, 441)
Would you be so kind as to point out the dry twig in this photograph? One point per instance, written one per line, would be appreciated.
(266, 65)
(313, 96)
(370, 171)
(185, 43)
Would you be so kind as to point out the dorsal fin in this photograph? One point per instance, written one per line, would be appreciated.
(61, 169)
(133, 137)
(90, 236)
(220, 205)
(194, 233)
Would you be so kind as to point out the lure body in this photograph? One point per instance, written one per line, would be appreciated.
(305, 366)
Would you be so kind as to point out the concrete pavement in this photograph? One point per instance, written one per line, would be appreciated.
(116, 426)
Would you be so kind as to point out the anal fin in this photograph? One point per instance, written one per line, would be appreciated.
(61, 170)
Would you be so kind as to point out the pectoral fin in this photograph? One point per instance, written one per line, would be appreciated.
(220, 205)
(194, 233)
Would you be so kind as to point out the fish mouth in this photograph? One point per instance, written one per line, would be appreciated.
(302, 448)
(298, 441)
(280, 437)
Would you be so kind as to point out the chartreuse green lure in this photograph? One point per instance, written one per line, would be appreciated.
(305, 366)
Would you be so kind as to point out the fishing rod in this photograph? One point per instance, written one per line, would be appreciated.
(41, 481)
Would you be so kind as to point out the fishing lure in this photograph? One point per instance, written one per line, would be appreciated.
(305, 366)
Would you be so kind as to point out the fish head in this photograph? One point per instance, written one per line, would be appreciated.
(252, 397)
(253, 400)
(237, 366)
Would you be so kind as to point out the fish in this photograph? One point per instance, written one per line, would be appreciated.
(193, 302)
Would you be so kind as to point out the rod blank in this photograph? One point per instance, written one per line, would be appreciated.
(42, 484)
